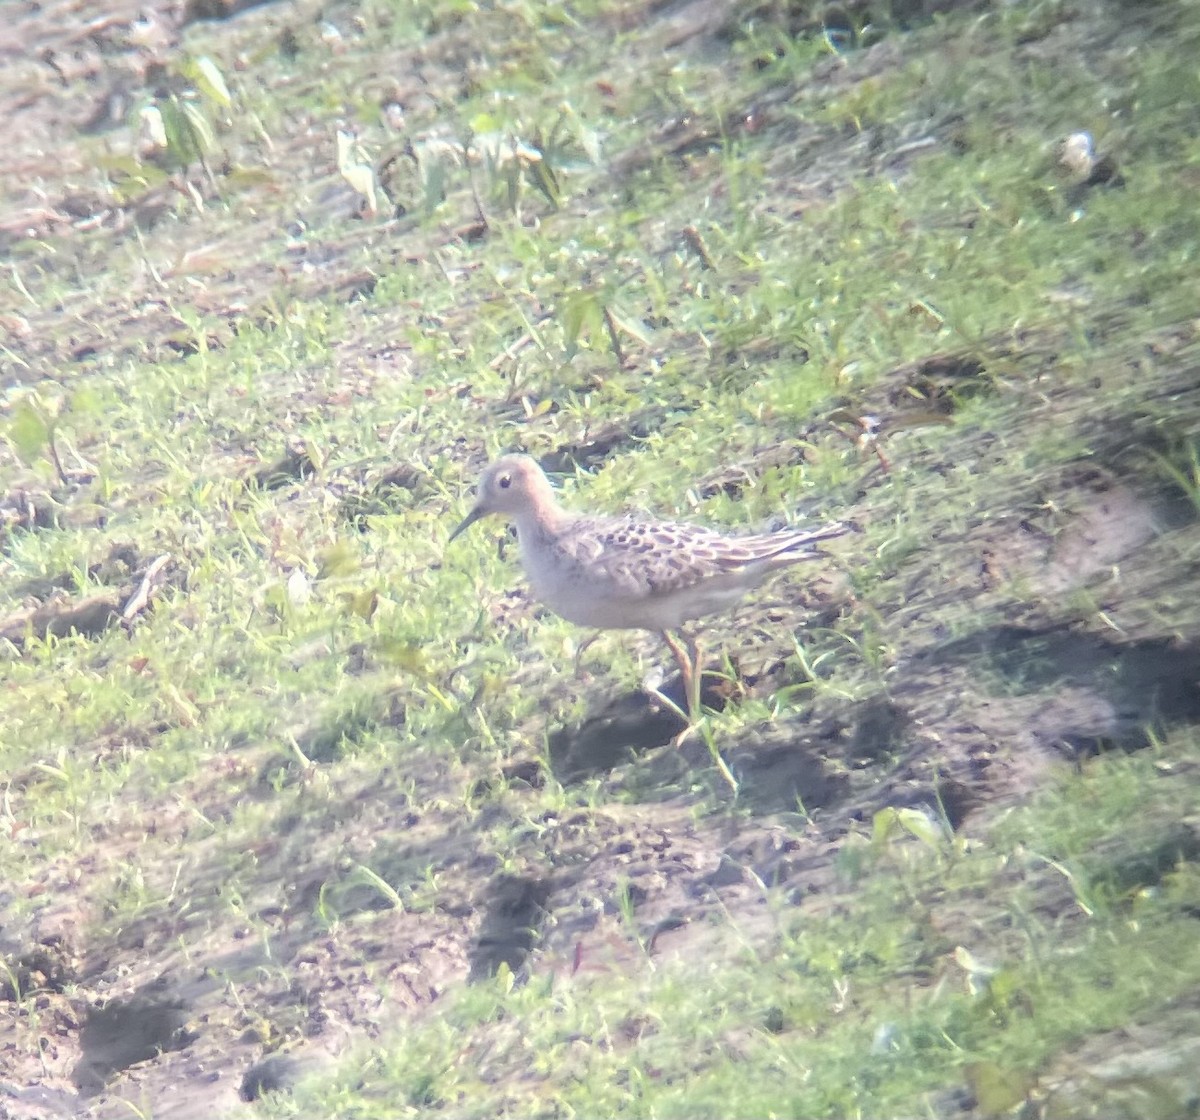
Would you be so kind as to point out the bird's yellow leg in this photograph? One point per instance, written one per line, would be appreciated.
(681, 659)
(687, 657)
(579, 651)
(697, 679)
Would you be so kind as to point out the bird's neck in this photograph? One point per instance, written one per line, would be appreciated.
(544, 520)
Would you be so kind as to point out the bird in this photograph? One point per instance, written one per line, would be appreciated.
(627, 573)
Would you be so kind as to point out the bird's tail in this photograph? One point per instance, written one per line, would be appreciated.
(797, 545)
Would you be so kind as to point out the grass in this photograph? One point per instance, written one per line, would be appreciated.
(862, 1010)
(307, 745)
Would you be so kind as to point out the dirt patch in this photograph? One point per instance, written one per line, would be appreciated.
(60, 615)
(122, 1033)
(625, 728)
(1139, 689)
(513, 916)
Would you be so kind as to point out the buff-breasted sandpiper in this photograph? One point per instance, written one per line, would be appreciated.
(616, 573)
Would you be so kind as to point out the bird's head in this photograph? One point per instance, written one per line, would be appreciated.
(512, 485)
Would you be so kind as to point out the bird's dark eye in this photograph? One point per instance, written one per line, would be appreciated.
(504, 481)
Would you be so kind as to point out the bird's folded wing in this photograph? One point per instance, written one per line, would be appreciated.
(660, 558)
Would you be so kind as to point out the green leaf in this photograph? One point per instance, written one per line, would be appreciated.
(581, 313)
(629, 327)
(363, 603)
(997, 1090)
(339, 559)
(188, 132)
(887, 822)
(200, 126)
(545, 180)
(922, 826)
(504, 977)
(406, 656)
(483, 123)
(209, 81)
(28, 431)
(363, 874)
(85, 401)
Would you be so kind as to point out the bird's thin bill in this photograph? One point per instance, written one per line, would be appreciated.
(466, 522)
